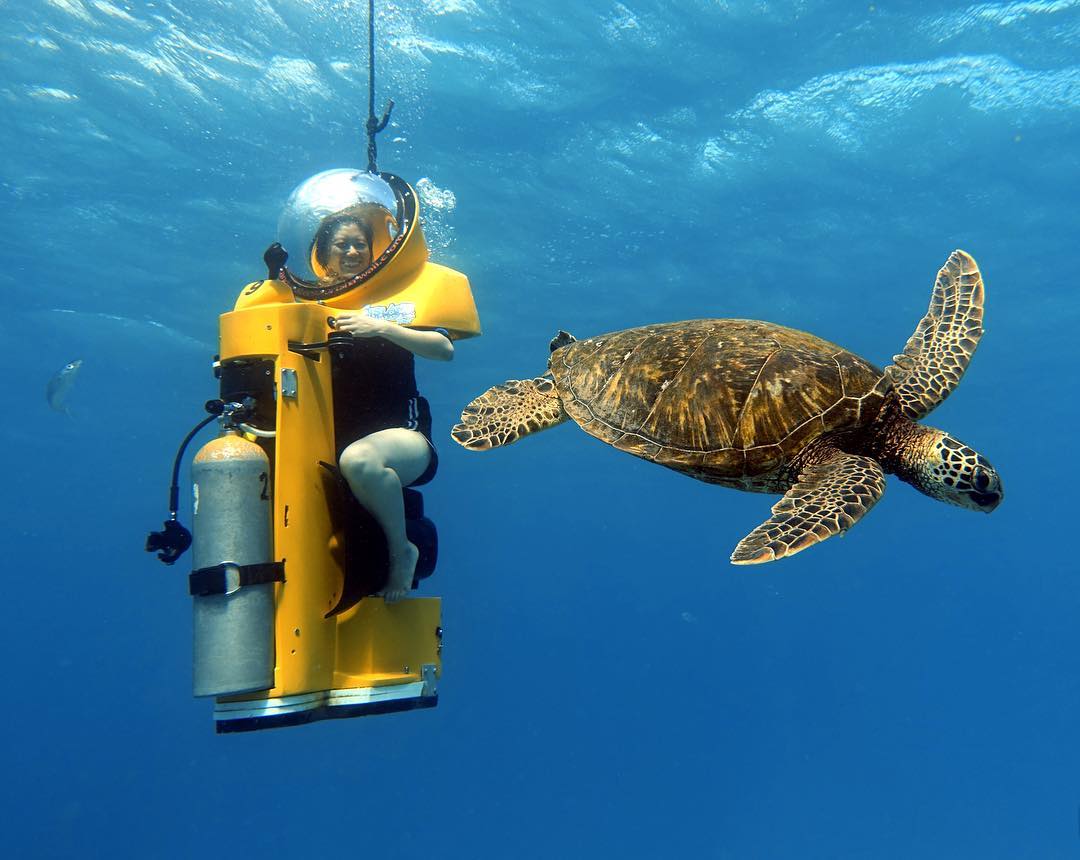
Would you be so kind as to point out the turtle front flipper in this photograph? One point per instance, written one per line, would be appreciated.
(938, 353)
(828, 499)
(504, 413)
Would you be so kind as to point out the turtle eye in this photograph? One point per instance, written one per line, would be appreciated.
(981, 480)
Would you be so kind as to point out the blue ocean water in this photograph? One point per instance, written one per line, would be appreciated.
(613, 686)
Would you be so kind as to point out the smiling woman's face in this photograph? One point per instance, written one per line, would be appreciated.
(350, 251)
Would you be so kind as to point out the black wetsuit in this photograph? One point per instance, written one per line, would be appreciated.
(375, 389)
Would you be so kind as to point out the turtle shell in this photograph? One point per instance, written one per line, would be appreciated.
(724, 400)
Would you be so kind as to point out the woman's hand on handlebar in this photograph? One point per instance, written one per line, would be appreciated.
(360, 325)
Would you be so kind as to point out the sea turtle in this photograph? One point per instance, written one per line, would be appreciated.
(760, 407)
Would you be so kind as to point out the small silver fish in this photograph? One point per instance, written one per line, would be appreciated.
(59, 386)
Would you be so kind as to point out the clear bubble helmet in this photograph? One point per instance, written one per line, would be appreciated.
(384, 203)
(400, 282)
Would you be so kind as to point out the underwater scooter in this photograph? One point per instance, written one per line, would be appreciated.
(286, 563)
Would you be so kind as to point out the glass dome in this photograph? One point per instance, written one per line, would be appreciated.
(318, 201)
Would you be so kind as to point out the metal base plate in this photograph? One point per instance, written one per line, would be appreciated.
(274, 713)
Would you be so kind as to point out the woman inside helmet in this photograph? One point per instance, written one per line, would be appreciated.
(343, 246)
(389, 444)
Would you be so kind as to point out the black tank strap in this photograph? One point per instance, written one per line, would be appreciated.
(225, 578)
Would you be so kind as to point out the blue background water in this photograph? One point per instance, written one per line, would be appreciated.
(613, 687)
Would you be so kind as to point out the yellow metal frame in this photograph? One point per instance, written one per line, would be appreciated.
(371, 645)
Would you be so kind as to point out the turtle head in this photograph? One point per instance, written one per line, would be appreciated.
(947, 469)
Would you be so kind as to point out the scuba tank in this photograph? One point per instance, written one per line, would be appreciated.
(233, 635)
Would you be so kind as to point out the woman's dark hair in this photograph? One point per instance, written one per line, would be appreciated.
(329, 227)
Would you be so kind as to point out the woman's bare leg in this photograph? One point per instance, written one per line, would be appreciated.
(377, 467)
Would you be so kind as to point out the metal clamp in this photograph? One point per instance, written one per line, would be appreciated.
(288, 383)
(427, 674)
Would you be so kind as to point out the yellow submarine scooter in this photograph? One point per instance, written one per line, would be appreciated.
(286, 630)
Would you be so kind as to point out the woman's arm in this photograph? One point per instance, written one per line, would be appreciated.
(426, 344)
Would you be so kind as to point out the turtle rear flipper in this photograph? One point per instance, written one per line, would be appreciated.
(504, 413)
(828, 499)
(938, 353)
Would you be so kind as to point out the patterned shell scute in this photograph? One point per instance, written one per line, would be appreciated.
(731, 397)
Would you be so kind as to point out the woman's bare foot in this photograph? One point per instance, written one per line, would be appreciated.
(402, 570)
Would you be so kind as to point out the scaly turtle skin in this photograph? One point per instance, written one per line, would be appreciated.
(756, 406)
